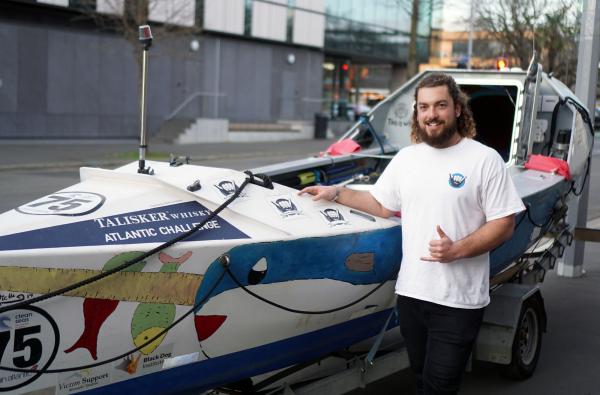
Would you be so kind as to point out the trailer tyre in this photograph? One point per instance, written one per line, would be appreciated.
(528, 340)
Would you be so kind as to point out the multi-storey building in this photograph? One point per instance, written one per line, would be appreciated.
(63, 75)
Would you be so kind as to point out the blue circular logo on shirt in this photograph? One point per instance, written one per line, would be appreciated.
(456, 180)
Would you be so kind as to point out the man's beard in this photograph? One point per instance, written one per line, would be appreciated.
(439, 140)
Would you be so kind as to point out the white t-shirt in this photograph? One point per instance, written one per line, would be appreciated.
(459, 188)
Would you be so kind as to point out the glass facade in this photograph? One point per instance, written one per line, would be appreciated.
(378, 30)
(363, 40)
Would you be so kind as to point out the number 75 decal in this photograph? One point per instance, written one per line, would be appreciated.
(25, 342)
(29, 340)
(64, 203)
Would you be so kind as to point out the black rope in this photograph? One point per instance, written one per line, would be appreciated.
(527, 215)
(585, 177)
(528, 211)
(131, 262)
(316, 312)
(585, 115)
(113, 359)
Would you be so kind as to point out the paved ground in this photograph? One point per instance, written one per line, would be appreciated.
(569, 363)
(29, 170)
(19, 154)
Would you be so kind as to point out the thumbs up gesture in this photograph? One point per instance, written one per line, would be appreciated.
(441, 250)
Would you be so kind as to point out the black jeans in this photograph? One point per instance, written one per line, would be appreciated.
(439, 340)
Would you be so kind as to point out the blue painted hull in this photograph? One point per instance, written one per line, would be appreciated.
(541, 206)
(201, 376)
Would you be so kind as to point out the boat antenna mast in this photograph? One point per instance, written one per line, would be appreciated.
(145, 37)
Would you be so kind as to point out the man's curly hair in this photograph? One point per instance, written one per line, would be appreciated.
(465, 124)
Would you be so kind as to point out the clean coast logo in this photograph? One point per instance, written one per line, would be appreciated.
(456, 180)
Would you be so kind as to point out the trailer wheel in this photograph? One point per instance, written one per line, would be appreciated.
(528, 340)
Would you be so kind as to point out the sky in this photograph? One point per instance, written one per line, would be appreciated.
(454, 15)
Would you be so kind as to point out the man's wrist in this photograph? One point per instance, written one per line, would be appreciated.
(337, 194)
(457, 251)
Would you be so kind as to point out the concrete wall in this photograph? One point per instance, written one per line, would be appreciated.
(257, 83)
(63, 81)
(60, 82)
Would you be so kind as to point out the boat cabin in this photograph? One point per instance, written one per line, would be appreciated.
(517, 113)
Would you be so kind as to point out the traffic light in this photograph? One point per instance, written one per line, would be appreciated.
(345, 75)
(501, 63)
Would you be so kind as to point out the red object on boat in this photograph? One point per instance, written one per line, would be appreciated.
(95, 312)
(206, 325)
(549, 164)
(346, 146)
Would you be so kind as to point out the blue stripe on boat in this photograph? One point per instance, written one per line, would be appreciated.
(204, 375)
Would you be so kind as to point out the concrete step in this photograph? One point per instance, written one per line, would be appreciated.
(170, 130)
(261, 127)
(205, 130)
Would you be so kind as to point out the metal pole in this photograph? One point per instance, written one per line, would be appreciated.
(143, 142)
(145, 37)
(470, 43)
(587, 78)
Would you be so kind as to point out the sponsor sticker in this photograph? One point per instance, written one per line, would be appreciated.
(155, 225)
(285, 206)
(400, 116)
(29, 339)
(334, 217)
(138, 363)
(81, 380)
(227, 188)
(64, 203)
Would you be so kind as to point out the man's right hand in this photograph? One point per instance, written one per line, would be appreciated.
(325, 192)
(360, 200)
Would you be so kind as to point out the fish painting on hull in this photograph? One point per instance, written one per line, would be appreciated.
(149, 319)
(301, 259)
(96, 311)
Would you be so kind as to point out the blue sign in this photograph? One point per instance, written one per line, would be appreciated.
(156, 225)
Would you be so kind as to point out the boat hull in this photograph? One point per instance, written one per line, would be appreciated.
(88, 331)
(229, 368)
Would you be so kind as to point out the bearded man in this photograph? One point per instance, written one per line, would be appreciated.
(458, 202)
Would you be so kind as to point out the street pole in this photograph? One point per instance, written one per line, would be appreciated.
(571, 264)
(470, 46)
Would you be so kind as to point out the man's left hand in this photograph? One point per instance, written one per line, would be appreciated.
(442, 250)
